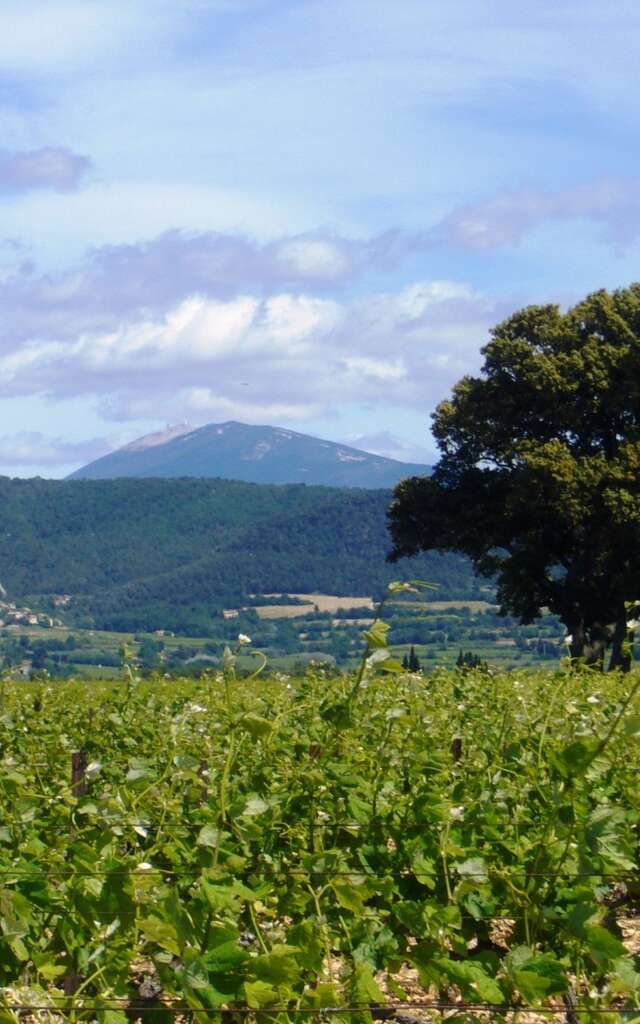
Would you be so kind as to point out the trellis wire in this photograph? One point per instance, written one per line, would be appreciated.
(277, 872)
(153, 1006)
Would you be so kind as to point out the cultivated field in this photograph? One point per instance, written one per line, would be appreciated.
(310, 603)
(288, 846)
(284, 611)
(440, 606)
(291, 635)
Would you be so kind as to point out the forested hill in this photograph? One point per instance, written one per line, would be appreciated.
(145, 554)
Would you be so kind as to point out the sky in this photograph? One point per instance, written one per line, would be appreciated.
(301, 213)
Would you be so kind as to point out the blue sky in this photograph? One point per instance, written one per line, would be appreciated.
(306, 213)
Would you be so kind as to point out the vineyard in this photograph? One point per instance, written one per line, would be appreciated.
(460, 846)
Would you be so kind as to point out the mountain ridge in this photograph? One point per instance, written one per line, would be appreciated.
(253, 454)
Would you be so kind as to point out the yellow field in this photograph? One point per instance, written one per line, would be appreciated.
(441, 606)
(283, 611)
(312, 603)
(328, 603)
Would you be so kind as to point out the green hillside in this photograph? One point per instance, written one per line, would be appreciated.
(171, 553)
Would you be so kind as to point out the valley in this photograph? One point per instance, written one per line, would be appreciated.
(326, 632)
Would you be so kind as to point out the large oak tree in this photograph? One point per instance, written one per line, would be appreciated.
(539, 476)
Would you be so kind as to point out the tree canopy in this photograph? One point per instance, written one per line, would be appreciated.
(539, 476)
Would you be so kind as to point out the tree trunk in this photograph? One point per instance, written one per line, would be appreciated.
(578, 640)
(589, 645)
(595, 650)
(621, 651)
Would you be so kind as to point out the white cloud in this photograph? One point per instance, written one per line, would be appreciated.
(204, 404)
(280, 357)
(197, 332)
(418, 298)
(53, 34)
(391, 446)
(504, 219)
(31, 448)
(317, 258)
(116, 212)
(51, 167)
(375, 369)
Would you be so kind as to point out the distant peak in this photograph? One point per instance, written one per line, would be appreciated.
(171, 431)
(248, 451)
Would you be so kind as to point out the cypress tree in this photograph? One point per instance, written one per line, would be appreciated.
(414, 664)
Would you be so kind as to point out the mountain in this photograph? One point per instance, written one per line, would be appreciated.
(262, 455)
(170, 554)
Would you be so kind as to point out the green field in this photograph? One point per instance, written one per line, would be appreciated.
(438, 630)
(287, 844)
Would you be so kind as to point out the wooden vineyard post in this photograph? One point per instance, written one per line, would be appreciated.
(456, 749)
(71, 983)
(78, 769)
